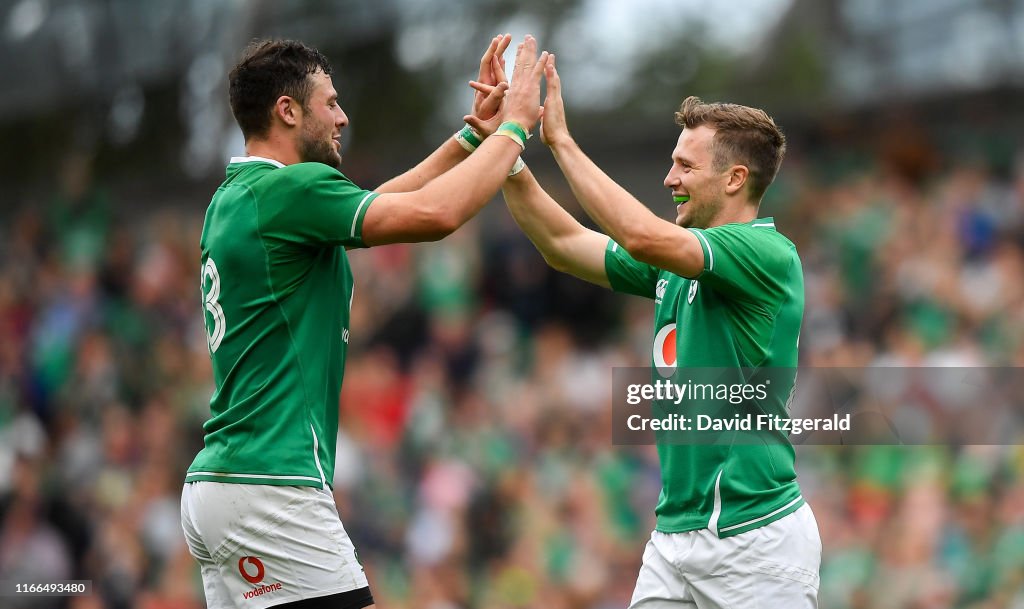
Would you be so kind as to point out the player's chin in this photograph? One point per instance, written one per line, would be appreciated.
(683, 221)
(331, 159)
(333, 154)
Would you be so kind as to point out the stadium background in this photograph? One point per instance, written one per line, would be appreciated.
(475, 466)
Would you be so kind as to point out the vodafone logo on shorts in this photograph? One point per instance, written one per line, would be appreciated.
(253, 571)
(259, 571)
(664, 351)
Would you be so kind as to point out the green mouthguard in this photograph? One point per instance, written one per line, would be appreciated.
(681, 198)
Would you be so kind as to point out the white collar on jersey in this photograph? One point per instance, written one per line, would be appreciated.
(254, 159)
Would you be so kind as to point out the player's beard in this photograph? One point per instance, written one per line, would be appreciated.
(314, 147)
(699, 214)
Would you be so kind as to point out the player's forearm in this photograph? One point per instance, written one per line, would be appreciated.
(445, 203)
(448, 155)
(635, 228)
(621, 215)
(566, 245)
(457, 195)
(539, 216)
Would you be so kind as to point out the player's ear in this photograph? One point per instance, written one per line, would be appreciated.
(737, 177)
(287, 110)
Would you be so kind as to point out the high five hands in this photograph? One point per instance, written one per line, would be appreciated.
(496, 101)
(491, 83)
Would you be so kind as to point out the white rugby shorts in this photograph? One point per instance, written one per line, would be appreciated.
(769, 567)
(262, 545)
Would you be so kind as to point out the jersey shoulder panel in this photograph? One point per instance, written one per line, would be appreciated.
(627, 274)
(746, 261)
(312, 204)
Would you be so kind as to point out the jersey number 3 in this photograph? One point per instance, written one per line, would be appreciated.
(215, 329)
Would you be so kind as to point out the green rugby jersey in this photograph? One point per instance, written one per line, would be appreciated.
(743, 311)
(277, 288)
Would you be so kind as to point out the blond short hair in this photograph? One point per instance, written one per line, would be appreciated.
(743, 136)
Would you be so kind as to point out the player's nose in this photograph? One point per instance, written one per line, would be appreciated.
(341, 120)
(670, 180)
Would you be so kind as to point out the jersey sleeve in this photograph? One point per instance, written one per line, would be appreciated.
(627, 274)
(744, 262)
(314, 204)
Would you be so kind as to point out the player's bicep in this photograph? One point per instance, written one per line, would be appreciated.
(671, 248)
(584, 253)
(403, 218)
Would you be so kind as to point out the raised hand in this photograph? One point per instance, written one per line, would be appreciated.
(491, 83)
(493, 94)
(554, 127)
(522, 101)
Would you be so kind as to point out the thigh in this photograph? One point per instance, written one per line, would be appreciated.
(660, 585)
(774, 566)
(273, 544)
(217, 595)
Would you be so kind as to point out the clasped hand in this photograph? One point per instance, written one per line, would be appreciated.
(495, 100)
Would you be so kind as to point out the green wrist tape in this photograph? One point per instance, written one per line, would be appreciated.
(516, 128)
(512, 135)
(471, 136)
(468, 138)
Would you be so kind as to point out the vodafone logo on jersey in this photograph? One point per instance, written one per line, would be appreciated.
(257, 570)
(664, 351)
(253, 571)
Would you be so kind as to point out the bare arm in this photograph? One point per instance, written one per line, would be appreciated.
(448, 201)
(566, 245)
(644, 235)
(450, 153)
(445, 203)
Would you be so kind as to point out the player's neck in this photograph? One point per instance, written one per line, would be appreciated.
(273, 148)
(738, 212)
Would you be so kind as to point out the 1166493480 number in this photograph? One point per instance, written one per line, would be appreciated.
(49, 588)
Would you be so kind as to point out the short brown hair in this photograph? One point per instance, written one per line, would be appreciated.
(269, 69)
(743, 135)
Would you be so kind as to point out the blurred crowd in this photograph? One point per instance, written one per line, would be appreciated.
(475, 466)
